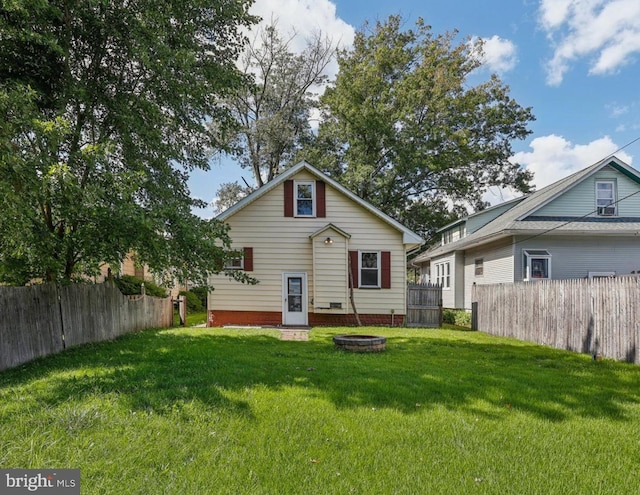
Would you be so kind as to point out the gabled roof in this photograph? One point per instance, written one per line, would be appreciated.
(328, 227)
(517, 219)
(462, 220)
(409, 237)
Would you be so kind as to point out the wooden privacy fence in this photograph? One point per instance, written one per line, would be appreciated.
(45, 319)
(599, 316)
(424, 305)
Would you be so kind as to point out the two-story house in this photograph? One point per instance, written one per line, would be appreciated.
(585, 225)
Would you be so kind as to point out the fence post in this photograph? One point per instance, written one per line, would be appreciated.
(474, 316)
(182, 309)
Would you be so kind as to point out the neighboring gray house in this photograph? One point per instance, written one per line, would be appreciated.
(585, 225)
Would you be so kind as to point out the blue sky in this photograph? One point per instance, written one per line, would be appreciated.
(575, 62)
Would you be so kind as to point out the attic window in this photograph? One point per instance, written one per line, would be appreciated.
(304, 198)
(606, 198)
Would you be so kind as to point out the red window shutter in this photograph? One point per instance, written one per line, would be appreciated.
(248, 259)
(321, 202)
(386, 269)
(288, 198)
(353, 260)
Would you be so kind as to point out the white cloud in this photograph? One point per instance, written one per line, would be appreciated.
(616, 110)
(553, 13)
(499, 55)
(606, 32)
(306, 18)
(553, 157)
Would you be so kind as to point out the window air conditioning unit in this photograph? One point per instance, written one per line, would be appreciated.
(606, 211)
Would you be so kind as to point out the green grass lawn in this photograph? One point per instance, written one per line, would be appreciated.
(212, 411)
(193, 319)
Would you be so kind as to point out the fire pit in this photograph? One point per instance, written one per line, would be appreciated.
(360, 343)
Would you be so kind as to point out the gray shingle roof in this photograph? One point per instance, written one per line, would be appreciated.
(519, 219)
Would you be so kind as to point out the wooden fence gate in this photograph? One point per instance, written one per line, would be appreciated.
(424, 305)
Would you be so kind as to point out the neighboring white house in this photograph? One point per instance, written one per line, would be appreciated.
(585, 225)
(300, 233)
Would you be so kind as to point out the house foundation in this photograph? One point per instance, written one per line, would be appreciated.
(219, 318)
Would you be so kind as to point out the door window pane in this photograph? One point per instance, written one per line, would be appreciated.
(294, 298)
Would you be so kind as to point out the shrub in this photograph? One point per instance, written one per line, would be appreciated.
(458, 317)
(194, 305)
(202, 293)
(131, 286)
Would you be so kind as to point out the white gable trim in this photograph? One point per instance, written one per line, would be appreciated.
(330, 226)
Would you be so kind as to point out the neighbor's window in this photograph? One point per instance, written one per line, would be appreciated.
(443, 274)
(369, 269)
(304, 199)
(479, 267)
(537, 264)
(606, 198)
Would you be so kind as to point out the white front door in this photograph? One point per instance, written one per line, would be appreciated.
(294, 299)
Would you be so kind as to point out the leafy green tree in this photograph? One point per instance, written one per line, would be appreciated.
(404, 127)
(101, 128)
(273, 112)
(229, 194)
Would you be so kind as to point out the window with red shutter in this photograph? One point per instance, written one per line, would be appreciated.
(305, 199)
(371, 269)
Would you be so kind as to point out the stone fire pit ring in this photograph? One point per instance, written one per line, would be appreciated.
(360, 343)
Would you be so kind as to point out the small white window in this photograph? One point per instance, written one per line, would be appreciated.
(479, 267)
(305, 204)
(369, 269)
(537, 264)
(606, 198)
(443, 274)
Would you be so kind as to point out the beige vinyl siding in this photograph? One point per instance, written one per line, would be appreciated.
(575, 257)
(283, 244)
(330, 273)
(498, 266)
(581, 199)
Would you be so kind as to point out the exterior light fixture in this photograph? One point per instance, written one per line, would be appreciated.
(328, 241)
